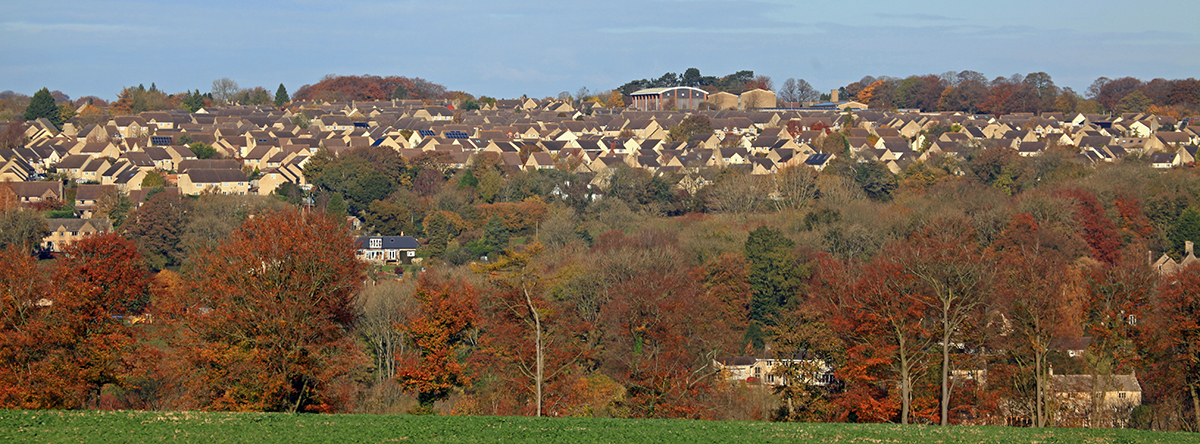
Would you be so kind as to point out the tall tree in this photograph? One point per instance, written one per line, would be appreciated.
(448, 313)
(1177, 327)
(281, 96)
(42, 105)
(1030, 284)
(955, 277)
(265, 319)
(775, 274)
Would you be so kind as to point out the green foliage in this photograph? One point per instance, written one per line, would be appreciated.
(336, 206)
(775, 274)
(153, 180)
(1187, 228)
(469, 105)
(281, 96)
(495, 235)
(193, 102)
(876, 181)
(42, 105)
(356, 180)
(23, 229)
(694, 124)
(203, 150)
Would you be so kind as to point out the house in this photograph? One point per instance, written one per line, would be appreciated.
(774, 372)
(34, 192)
(384, 249)
(217, 181)
(63, 232)
(1075, 398)
(756, 98)
(88, 196)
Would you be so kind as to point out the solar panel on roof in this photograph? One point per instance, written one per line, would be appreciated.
(426, 133)
(161, 140)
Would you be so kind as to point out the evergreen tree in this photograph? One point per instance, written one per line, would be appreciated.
(42, 105)
(193, 102)
(281, 96)
(496, 234)
(775, 276)
(336, 206)
(1187, 228)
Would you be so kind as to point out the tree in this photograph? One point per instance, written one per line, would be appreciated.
(264, 321)
(22, 229)
(448, 314)
(1177, 324)
(203, 150)
(157, 228)
(1134, 102)
(878, 313)
(281, 96)
(691, 125)
(775, 275)
(60, 341)
(193, 102)
(42, 105)
(1030, 282)
(955, 279)
(521, 289)
(225, 90)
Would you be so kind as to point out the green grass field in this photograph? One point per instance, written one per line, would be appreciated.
(149, 427)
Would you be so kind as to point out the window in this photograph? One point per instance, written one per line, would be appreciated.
(1121, 395)
(412, 253)
(376, 243)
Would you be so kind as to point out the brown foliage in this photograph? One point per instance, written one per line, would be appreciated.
(263, 323)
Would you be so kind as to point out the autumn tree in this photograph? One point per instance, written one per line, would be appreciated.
(1030, 285)
(22, 228)
(264, 321)
(691, 125)
(521, 302)
(1177, 338)
(955, 278)
(448, 313)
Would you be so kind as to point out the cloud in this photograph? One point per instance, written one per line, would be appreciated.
(695, 30)
(925, 17)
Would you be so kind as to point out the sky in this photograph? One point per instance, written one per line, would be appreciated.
(538, 48)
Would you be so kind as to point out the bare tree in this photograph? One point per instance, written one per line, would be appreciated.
(381, 308)
(788, 91)
(796, 187)
(737, 192)
(225, 89)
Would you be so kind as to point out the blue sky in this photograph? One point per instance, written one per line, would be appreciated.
(540, 48)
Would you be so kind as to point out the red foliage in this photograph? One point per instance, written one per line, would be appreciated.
(1099, 232)
(449, 310)
(368, 87)
(264, 320)
(59, 344)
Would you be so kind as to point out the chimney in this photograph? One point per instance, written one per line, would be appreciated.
(1187, 247)
(833, 96)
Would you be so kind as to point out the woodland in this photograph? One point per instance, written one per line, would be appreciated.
(618, 300)
(618, 306)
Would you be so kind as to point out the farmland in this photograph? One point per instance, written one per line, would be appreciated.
(130, 426)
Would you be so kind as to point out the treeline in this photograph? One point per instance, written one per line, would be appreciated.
(333, 88)
(1036, 92)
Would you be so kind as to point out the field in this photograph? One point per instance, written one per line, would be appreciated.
(123, 426)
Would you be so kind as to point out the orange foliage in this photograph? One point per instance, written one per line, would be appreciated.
(449, 310)
(264, 320)
(515, 216)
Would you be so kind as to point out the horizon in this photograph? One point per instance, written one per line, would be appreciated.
(548, 48)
